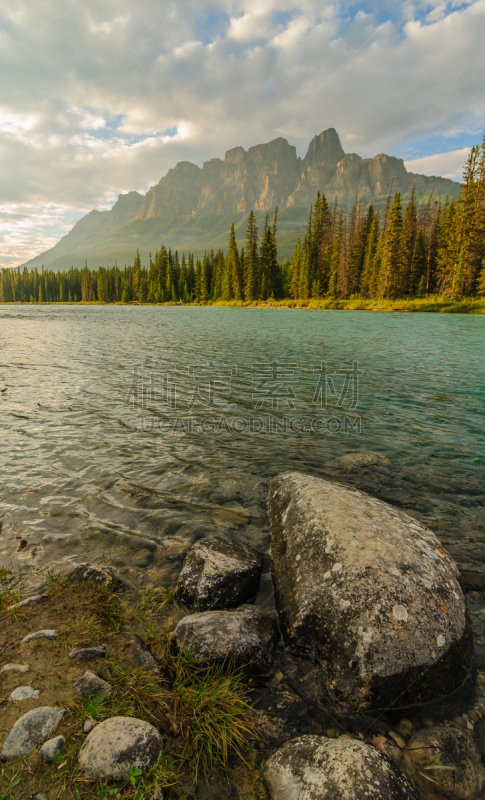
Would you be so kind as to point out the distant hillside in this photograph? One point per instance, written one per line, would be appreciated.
(191, 208)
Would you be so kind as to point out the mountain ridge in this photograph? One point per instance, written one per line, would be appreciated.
(190, 200)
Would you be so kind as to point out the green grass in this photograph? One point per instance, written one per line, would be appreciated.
(11, 587)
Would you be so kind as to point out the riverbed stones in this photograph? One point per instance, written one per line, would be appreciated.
(247, 635)
(117, 744)
(218, 574)
(458, 774)
(30, 730)
(45, 634)
(318, 768)
(90, 684)
(52, 748)
(368, 600)
(23, 693)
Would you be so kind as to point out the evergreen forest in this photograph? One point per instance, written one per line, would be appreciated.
(408, 250)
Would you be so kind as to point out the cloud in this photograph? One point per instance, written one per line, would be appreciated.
(105, 96)
(449, 165)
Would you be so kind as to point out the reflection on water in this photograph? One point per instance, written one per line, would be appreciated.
(127, 432)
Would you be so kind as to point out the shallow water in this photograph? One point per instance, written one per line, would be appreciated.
(102, 459)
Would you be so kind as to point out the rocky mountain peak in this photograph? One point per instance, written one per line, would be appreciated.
(324, 149)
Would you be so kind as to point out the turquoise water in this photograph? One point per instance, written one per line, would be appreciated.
(116, 434)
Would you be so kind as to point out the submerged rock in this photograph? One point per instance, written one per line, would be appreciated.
(30, 730)
(247, 635)
(102, 576)
(90, 684)
(317, 768)
(368, 600)
(52, 748)
(218, 573)
(117, 744)
(445, 762)
(363, 460)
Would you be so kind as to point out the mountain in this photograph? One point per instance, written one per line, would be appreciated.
(191, 207)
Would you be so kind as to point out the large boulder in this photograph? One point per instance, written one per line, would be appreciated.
(248, 636)
(445, 762)
(218, 573)
(117, 744)
(31, 729)
(368, 601)
(317, 768)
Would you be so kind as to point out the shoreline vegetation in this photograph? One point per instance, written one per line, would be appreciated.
(431, 304)
(427, 256)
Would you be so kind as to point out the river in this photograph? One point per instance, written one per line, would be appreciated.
(123, 427)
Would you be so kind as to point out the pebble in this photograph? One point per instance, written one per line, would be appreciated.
(15, 667)
(88, 653)
(89, 724)
(52, 748)
(29, 601)
(90, 684)
(23, 693)
(47, 634)
(460, 722)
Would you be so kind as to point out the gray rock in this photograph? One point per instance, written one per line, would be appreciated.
(88, 653)
(52, 748)
(30, 730)
(47, 634)
(23, 693)
(317, 768)
(219, 574)
(29, 601)
(90, 684)
(15, 668)
(101, 576)
(116, 744)
(247, 635)
(368, 601)
(464, 775)
(140, 655)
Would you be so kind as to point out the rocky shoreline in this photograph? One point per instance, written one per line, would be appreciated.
(358, 682)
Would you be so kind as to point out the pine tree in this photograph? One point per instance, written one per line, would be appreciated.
(251, 265)
(390, 257)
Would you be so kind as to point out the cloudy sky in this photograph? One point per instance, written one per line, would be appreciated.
(103, 96)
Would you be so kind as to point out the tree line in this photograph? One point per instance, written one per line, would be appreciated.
(407, 250)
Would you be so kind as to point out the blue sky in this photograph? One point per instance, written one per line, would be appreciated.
(104, 96)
